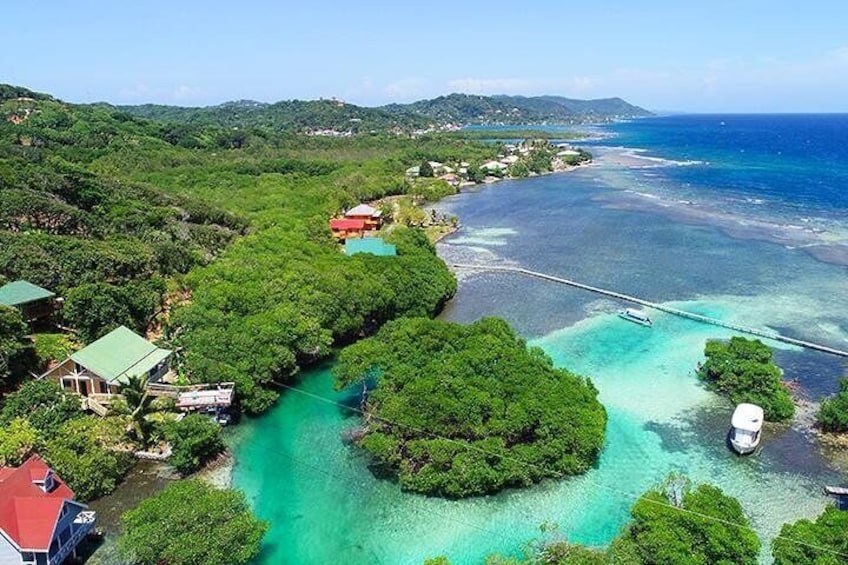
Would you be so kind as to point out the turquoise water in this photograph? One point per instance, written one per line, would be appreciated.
(325, 505)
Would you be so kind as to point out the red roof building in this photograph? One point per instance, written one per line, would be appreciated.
(368, 214)
(344, 228)
(40, 522)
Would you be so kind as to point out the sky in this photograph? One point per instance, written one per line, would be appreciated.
(705, 56)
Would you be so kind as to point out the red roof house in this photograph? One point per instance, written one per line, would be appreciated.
(40, 522)
(370, 215)
(344, 228)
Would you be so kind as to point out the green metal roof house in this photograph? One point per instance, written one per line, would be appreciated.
(106, 364)
(33, 301)
(372, 245)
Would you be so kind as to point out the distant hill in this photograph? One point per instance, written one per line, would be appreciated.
(516, 110)
(11, 92)
(297, 115)
(304, 115)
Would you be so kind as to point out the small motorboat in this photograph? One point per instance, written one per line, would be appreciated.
(636, 316)
(747, 421)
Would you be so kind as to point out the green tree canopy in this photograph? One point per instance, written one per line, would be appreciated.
(43, 403)
(87, 453)
(139, 402)
(16, 348)
(743, 370)
(468, 410)
(833, 412)
(425, 169)
(98, 308)
(677, 524)
(191, 523)
(18, 439)
(194, 440)
(820, 542)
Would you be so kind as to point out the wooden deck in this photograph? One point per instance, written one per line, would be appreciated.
(196, 397)
(661, 307)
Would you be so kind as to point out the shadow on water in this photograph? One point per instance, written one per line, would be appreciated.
(783, 449)
(673, 439)
(812, 370)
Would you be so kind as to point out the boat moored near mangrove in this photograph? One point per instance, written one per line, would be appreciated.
(636, 316)
(747, 421)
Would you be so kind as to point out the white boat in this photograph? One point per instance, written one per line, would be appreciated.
(636, 316)
(747, 421)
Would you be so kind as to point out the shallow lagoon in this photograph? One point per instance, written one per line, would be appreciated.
(327, 507)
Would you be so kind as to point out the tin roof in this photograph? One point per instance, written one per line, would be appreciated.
(120, 354)
(21, 292)
(28, 515)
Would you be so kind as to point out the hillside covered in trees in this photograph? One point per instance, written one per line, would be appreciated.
(104, 242)
(518, 110)
(336, 115)
(217, 236)
(287, 115)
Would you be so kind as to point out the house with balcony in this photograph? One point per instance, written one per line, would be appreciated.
(344, 228)
(371, 217)
(40, 522)
(105, 365)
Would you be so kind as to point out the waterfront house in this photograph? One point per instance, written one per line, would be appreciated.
(493, 166)
(106, 364)
(344, 228)
(371, 245)
(372, 217)
(33, 302)
(40, 522)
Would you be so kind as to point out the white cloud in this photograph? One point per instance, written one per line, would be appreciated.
(406, 88)
(566, 86)
(142, 93)
(492, 85)
(582, 85)
(138, 91)
(840, 54)
(183, 92)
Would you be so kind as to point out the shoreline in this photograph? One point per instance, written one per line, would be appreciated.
(219, 472)
(400, 514)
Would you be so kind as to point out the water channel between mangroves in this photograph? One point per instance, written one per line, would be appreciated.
(324, 504)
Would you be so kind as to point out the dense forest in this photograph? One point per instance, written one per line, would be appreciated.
(123, 217)
(460, 411)
(316, 115)
(744, 371)
(287, 115)
(518, 110)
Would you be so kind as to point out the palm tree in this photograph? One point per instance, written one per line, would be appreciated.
(138, 401)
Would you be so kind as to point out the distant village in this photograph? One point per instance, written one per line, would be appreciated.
(525, 159)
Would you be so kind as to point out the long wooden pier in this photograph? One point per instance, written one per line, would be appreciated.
(661, 307)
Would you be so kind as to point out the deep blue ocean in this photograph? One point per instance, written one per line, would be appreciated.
(797, 160)
(738, 217)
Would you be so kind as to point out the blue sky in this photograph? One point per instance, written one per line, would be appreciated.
(743, 56)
